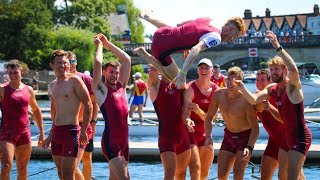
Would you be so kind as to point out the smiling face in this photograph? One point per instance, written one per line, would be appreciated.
(278, 73)
(262, 81)
(14, 74)
(60, 65)
(204, 71)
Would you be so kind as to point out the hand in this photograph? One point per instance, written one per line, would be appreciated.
(96, 40)
(190, 124)
(102, 38)
(83, 138)
(209, 142)
(41, 141)
(238, 84)
(266, 104)
(180, 81)
(273, 39)
(195, 108)
(246, 154)
(47, 142)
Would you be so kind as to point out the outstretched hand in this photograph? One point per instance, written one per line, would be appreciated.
(273, 39)
(180, 81)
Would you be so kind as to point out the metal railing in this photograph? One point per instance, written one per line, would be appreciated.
(247, 42)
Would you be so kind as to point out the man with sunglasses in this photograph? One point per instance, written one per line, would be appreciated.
(88, 149)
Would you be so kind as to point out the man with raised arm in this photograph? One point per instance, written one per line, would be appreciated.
(289, 102)
(112, 100)
(68, 92)
(196, 35)
(242, 129)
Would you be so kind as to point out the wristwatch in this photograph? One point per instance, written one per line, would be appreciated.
(279, 48)
(93, 121)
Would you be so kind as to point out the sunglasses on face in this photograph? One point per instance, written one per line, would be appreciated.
(72, 61)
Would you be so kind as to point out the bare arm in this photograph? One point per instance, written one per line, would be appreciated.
(123, 57)
(295, 93)
(133, 89)
(95, 109)
(83, 95)
(193, 54)
(253, 122)
(186, 111)
(153, 83)
(212, 112)
(147, 94)
(37, 115)
(254, 99)
(274, 112)
(99, 89)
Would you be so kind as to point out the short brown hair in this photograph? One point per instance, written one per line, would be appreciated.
(13, 63)
(277, 60)
(236, 70)
(112, 64)
(58, 52)
(70, 53)
(266, 72)
(239, 23)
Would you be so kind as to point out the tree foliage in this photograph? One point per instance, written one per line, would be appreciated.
(31, 29)
(25, 30)
(78, 41)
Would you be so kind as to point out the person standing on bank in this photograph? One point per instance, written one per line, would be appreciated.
(242, 129)
(68, 92)
(15, 135)
(86, 156)
(289, 100)
(196, 101)
(112, 100)
(139, 89)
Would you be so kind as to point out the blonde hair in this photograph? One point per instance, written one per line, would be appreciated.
(239, 23)
(237, 71)
(277, 60)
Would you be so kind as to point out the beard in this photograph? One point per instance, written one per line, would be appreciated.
(277, 79)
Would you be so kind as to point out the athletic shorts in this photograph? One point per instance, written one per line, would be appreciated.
(272, 149)
(112, 147)
(65, 140)
(137, 100)
(89, 146)
(197, 139)
(234, 142)
(177, 145)
(17, 137)
(302, 144)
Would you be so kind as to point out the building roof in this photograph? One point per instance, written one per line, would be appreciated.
(279, 20)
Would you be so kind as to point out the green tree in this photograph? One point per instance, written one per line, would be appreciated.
(25, 31)
(78, 41)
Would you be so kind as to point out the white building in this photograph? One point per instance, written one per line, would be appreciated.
(314, 25)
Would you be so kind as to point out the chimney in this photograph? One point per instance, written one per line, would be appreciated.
(247, 14)
(268, 12)
(316, 10)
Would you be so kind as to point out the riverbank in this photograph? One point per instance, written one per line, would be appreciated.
(149, 151)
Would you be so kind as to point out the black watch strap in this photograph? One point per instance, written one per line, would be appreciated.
(279, 48)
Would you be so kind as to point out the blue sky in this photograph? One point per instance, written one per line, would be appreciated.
(176, 11)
